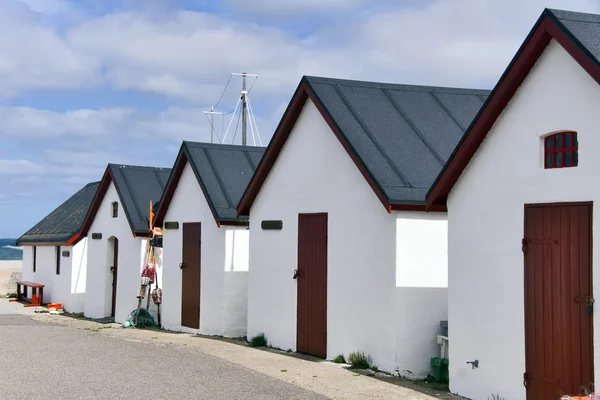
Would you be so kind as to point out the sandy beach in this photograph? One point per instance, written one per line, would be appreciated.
(6, 270)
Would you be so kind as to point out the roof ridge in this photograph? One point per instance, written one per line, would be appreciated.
(443, 107)
(413, 126)
(340, 81)
(218, 178)
(386, 157)
(139, 166)
(224, 146)
(250, 160)
(579, 20)
(131, 194)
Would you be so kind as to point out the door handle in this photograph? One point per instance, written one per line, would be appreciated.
(112, 269)
(182, 265)
(297, 274)
(525, 379)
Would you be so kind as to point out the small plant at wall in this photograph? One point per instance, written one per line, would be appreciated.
(259, 340)
(339, 359)
(359, 360)
(495, 397)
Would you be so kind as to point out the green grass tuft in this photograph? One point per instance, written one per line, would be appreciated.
(359, 360)
(339, 359)
(259, 340)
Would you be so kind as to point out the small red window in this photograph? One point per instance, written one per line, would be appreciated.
(561, 150)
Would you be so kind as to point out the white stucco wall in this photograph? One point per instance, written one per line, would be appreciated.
(68, 288)
(224, 265)
(100, 258)
(486, 214)
(313, 173)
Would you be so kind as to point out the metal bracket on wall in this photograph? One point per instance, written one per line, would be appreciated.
(474, 364)
(271, 224)
(171, 225)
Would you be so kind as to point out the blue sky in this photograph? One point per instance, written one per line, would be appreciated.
(87, 82)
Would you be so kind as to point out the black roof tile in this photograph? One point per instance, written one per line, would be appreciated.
(584, 27)
(224, 172)
(404, 134)
(65, 221)
(137, 186)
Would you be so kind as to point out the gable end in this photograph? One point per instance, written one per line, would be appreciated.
(285, 127)
(547, 27)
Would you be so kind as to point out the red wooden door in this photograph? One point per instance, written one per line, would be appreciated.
(311, 330)
(558, 286)
(114, 277)
(190, 276)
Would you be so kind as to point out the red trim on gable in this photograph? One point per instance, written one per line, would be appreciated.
(357, 161)
(107, 178)
(546, 29)
(74, 239)
(169, 192)
(287, 123)
(102, 189)
(418, 207)
(178, 168)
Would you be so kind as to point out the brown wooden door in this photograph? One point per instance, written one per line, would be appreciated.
(114, 277)
(558, 283)
(190, 276)
(311, 330)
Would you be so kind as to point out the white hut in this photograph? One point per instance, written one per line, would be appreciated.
(205, 243)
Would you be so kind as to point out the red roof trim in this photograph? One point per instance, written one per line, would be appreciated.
(546, 28)
(287, 123)
(418, 207)
(102, 189)
(172, 183)
(74, 239)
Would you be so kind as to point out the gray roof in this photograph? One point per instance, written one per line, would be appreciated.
(403, 134)
(137, 186)
(584, 27)
(65, 221)
(223, 171)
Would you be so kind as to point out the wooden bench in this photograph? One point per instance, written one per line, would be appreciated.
(37, 293)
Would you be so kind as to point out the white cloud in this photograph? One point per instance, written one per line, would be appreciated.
(185, 54)
(291, 7)
(20, 168)
(76, 127)
(34, 56)
(188, 55)
(48, 6)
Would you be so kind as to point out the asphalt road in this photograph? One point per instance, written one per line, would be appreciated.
(46, 361)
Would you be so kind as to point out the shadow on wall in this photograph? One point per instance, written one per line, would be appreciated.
(79, 264)
(235, 303)
(111, 274)
(418, 312)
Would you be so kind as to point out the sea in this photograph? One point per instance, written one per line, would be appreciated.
(9, 250)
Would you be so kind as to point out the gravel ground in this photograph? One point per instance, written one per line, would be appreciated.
(56, 362)
(61, 357)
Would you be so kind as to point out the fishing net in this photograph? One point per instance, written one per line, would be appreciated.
(144, 320)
